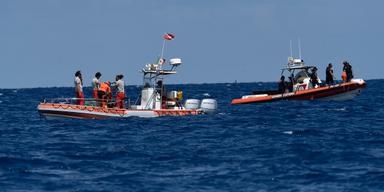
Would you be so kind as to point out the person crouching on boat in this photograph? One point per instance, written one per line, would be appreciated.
(79, 88)
(314, 78)
(96, 85)
(104, 93)
(120, 95)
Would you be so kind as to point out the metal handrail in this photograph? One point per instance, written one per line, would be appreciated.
(73, 100)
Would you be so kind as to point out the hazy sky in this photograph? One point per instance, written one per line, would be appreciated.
(43, 43)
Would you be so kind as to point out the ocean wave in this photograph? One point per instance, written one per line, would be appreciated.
(288, 132)
(206, 95)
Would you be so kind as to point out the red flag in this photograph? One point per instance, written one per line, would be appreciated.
(168, 36)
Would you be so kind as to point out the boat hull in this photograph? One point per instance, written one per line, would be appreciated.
(337, 92)
(57, 110)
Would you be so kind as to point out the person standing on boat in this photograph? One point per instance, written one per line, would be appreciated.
(314, 78)
(96, 85)
(347, 68)
(329, 75)
(120, 95)
(79, 88)
(282, 84)
(291, 83)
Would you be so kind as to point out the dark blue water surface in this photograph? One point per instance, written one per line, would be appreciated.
(280, 146)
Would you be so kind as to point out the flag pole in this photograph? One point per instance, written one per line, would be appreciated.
(162, 54)
(162, 49)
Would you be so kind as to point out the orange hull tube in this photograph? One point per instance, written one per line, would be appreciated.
(310, 94)
(92, 112)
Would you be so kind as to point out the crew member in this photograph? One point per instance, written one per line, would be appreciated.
(348, 71)
(120, 95)
(96, 85)
(290, 84)
(79, 88)
(104, 93)
(329, 75)
(161, 90)
(314, 78)
(282, 84)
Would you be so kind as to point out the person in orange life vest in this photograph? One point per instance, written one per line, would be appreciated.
(79, 88)
(96, 85)
(120, 96)
(104, 93)
(347, 74)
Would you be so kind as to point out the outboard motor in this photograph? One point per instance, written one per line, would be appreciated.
(208, 105)
(192, 104)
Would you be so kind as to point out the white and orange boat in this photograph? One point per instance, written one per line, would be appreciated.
(303, 89)
(154, 100)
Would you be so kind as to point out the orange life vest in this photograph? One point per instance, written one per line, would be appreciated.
(105, 87)
(344, 76)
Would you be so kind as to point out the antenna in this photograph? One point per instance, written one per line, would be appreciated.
(290, 47)
(299, 48)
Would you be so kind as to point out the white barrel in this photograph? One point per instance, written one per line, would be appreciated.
(175, 61)
(192, 104)
(208, 105)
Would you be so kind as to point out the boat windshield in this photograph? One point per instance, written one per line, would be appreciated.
(301, 75)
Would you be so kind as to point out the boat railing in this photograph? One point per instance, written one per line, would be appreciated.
(87, 101)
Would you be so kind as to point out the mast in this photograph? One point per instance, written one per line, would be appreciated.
(299, 48)
(162, 49)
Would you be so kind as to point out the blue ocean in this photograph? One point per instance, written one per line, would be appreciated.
(279, 146)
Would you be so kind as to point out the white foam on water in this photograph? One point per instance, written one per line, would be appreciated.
(341, 109)
(1, 94)
(206, 94)
(288, 132)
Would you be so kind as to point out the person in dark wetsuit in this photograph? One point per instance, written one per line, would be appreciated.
(329, 75)
(313, 76)
(290, 84)
(282, 84)
(348, 70)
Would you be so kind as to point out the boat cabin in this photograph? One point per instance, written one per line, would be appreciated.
(299, 74)
(153, 93)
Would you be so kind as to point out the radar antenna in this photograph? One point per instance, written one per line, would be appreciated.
(299, 48)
